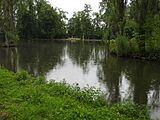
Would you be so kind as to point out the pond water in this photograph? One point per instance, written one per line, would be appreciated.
(88, 64)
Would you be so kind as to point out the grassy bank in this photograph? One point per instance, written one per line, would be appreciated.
(23, 97)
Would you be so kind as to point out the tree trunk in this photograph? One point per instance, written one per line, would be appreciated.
(6, 15)
(9, 21)
(142, 7)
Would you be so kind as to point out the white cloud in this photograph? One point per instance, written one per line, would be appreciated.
(72, 6)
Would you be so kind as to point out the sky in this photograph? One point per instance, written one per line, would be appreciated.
(72, 6)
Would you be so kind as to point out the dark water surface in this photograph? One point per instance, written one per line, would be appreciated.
(89, 65)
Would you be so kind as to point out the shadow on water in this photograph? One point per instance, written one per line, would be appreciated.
(89, 64)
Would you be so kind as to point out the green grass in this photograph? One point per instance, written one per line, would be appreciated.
(23, 97)
(75, 39)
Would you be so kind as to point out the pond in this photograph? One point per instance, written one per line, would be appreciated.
(89, 64)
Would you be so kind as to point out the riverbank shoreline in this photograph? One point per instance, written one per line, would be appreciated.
(69, 40)
(26, 97)
(127, 49)
(137, 57)
(146, 57)
(3, 45)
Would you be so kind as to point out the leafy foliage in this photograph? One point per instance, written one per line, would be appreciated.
(25, 97)
(29, 19)
(138, 25)
(85, 26)
(41, 20)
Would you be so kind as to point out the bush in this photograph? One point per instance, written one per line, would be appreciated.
(12, 36)
(123, 46)
(22, 76)
(153, 41)
(113, 46)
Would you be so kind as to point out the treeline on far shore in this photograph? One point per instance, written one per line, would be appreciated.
(38, 19)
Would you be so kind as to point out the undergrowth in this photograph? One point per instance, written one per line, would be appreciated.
(23, 97)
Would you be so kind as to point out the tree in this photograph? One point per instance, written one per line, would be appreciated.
(134, 27)
(143, 13)
(82, 24)
(98, 27)
(27, 24)
(38, 19)
(141, 7)
(114, 16)
(8, 10)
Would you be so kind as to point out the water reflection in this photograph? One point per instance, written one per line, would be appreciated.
(132, 79)
(89, 64)
(37, 58)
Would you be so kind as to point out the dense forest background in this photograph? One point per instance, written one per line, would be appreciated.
(129, 28)
(28, 19)
(132, 28)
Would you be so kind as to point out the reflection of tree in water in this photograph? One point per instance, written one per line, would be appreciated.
(9, 58)
(85, 54)
(40, 58)
(80, 54)
(140, 80)
(142, 76)
(35, 58)
(153, 74)
(109, 73)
